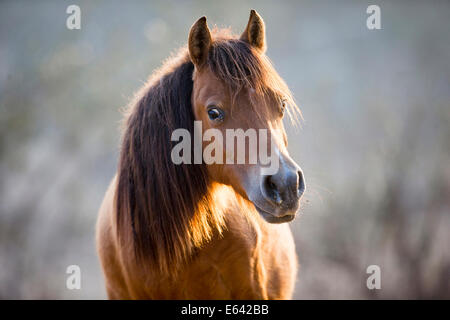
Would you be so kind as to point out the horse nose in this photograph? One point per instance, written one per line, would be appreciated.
(285, 188)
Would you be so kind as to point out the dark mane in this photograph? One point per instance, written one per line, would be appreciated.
(165, 210)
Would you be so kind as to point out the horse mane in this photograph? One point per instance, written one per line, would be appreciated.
(166, 211)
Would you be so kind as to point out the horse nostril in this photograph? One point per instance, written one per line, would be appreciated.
(301, 184)
(284, 188)
(272, 190)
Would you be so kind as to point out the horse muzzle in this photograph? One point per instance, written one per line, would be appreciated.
(281, 194)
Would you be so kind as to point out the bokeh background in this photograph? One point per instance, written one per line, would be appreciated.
(374, 143)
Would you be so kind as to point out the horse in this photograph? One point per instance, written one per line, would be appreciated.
(170, 230)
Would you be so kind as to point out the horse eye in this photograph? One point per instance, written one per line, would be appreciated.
(215, 113)
(283, 105)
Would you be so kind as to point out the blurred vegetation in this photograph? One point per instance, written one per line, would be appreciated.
(374, 145)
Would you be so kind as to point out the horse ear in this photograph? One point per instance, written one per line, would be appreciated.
(199, 42)
(255, 33)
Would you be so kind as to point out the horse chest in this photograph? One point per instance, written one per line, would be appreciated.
(236, 266)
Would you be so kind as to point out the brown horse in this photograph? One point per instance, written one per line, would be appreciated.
(197, 230)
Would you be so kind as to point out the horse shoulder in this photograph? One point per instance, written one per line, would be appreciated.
(107, 248)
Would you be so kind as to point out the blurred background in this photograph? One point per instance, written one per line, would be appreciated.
(374, 143)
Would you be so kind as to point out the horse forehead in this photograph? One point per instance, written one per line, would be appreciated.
(207, 84)
(207, 77)
(211, 91)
